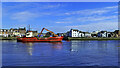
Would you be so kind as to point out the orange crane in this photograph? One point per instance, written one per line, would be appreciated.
(49, 31)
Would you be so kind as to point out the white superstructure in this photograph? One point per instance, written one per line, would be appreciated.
(29, 34)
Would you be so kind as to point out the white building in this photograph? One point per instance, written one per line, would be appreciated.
(77, 33)
(95, 33)
(102, 34)
(81, 34)
(16, 33)
(110, 34)
(87, 34)
(74, 33)
(4, 32)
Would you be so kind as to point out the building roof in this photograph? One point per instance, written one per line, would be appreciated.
(15, 29)
(22, 28)
(103, 31)
(75, 29)
(116, 30)
(80, 32)
(4, 29)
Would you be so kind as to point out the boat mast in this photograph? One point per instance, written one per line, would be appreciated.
(28, 27)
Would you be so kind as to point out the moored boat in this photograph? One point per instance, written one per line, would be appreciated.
(30, 38)
(34, 39)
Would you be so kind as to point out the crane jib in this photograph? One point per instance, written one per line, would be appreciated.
(47, 30)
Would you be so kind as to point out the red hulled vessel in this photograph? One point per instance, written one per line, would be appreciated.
(29, 37)
(34, 39)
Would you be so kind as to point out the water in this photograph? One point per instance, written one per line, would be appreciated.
(65, 53)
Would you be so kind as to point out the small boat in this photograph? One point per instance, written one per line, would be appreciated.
(29, 37)
(34, 39)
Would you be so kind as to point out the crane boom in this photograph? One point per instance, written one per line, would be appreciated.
(49, 31)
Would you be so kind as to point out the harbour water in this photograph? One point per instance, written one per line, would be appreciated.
(65, 53)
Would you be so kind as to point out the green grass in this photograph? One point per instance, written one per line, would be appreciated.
(8, 38)
(77, 38)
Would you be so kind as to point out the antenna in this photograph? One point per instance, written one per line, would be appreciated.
(28, 27)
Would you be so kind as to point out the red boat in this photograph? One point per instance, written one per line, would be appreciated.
(34, 39)
(29, 38)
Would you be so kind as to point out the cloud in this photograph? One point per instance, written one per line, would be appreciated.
(91, 15)
(96, 26)
(30, 6)
(51, 6)
(60, 1)
(91, 19)
(0, 15)
(87, 12)
(63, 22)
(42, 9)
(97, 11)
(115, 12)
(106, 25)
(97, 18)
(112, 7)
(24, 16)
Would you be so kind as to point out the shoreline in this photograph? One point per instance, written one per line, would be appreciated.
(78, 38)
(8, 38)
(68, 38)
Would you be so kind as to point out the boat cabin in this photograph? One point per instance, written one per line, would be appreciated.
(29, 34)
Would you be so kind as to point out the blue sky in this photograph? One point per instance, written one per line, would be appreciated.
(61, 16)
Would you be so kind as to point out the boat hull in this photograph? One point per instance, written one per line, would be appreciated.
(34, 39)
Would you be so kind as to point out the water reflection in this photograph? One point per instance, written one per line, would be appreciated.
(31, 46)
(79, 45)
(100, 46)
(68, 53)
(57, 45)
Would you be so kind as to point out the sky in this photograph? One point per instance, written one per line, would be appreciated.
(61, 16)
(60, 0)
